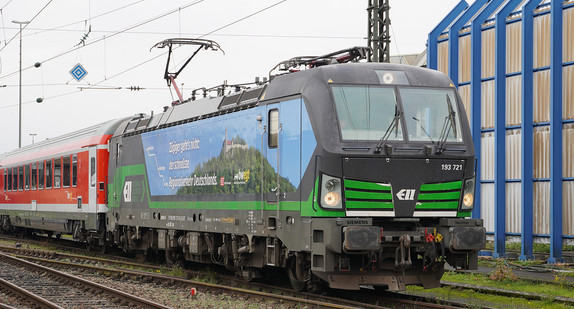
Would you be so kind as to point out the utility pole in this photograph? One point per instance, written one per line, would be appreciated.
(379, 31)
(20, 85)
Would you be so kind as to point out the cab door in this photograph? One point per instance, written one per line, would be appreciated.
(283, 153)
(271, 183)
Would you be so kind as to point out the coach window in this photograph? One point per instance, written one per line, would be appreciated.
(57, 172)
(92, 171)
(74, 170)
(41, 175)
(14, 178)
(273, 128)
(27, 176)
(34, 173)
(7, 179)
(20, 177)
(66, 171)
(49, 174)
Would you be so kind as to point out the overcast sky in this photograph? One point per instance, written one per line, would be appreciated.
(255, 36)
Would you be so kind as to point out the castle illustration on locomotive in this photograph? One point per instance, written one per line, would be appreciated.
(346, 174)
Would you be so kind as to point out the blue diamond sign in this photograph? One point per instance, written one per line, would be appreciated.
(78, 72)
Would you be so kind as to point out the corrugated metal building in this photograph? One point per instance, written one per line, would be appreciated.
(513, 63)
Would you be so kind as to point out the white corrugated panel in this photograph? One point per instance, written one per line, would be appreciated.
(541, 99)
(568, 208)
(487, 156)
(568, 35)
(487, 205)
(513, 154)
(541, 155)
(513, 207)
(487, 104)
(568, 150)
(541, 205)
(442, 63)
(488, 50)
(464, 59)
(541, 42)
(464, 92)
(513, 100)
(514, 47)
(568, 91)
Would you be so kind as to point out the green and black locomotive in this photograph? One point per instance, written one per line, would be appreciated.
(344, 174)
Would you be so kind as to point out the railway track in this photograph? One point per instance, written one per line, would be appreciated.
(50, 288)
(231, 285)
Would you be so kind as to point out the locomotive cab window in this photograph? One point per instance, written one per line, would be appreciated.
(367, 113)
(430, 114)
(5, 176)
(273, 128)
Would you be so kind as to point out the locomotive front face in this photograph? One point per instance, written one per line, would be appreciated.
(400, 169)
(410, 172)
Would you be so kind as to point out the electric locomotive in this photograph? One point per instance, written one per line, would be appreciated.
(345, 174)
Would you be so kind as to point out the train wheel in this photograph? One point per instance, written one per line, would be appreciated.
(297, 284)
(173, 258)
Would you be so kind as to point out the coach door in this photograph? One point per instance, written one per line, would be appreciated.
(92, 180)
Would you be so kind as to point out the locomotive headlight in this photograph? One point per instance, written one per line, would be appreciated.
(332, 199)
(331, 192)
(468, 195)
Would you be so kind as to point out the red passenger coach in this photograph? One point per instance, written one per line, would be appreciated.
(57, 185)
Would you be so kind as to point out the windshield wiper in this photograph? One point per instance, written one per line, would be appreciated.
(422, 127)
(449, 122)
(394, 125)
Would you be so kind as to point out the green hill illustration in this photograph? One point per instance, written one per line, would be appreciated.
(236, 170)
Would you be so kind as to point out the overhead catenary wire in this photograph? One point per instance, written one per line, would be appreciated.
(26, 25)
(149, 60)
(111, 35)
(59, 28)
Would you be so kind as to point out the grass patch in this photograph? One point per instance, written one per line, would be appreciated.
(507, 283)
(477, 299)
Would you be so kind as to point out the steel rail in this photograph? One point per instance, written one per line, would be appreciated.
(137, 301)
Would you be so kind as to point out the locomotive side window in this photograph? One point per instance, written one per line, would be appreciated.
(66, 171)
(49, 174)
(273, 128)
(92, 172)
(74, 170)
(57, 172)
(41, 175)
(27, 176)
(5, 176)
(34, 172)
(20, 177)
